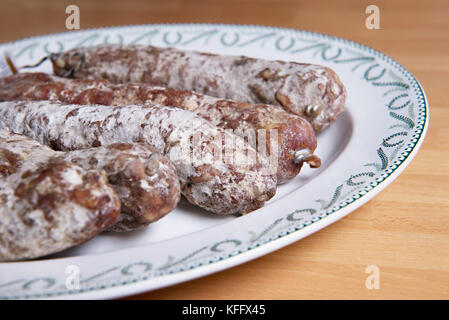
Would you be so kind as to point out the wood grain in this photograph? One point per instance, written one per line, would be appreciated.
(404, 230)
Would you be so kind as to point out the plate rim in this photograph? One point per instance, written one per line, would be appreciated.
(125, 289)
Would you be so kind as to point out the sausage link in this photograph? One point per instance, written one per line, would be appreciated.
(308, 90)
(294, 132)
(221, 180)
(145, 181)
(48, 204)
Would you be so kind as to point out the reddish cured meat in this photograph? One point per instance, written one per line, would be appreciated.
(145, 181)
(308, 90)
(221, 185)
(48, 204)
(294, 133)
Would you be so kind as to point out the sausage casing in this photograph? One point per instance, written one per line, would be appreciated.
(293, 132)
(145, 181)
(48, 204)
(308, 90)
(223, 184)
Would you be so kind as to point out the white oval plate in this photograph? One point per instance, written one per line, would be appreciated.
(365, 150)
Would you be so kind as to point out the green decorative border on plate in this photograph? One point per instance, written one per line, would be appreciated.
(406, 106)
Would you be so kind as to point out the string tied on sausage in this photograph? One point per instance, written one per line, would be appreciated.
(57, 62)
(15, 69)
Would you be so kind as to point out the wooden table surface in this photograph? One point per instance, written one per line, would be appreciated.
(404, 230)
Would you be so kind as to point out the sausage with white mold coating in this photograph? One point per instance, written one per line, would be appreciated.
(312, 91)
(48, 204)
(220, 186)
(294, 133)
(145, 181)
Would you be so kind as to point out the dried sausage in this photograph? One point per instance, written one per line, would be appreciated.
(308, 90)
(294, 133)
(145, 181)
(48, 204)
(224, 180)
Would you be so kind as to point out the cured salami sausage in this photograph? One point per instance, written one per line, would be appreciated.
(308, 90)
(215, 171)
(48, 204)
(145, 181)
(294, 133)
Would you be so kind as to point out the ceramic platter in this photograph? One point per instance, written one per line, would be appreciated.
(365, 150)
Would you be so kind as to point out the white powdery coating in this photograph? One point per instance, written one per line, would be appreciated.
(142, 171)
(28, 229)
(217, 186)
(144, 184)
(72, 176)
(164, 184)
(295, 133)
(231, 77)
